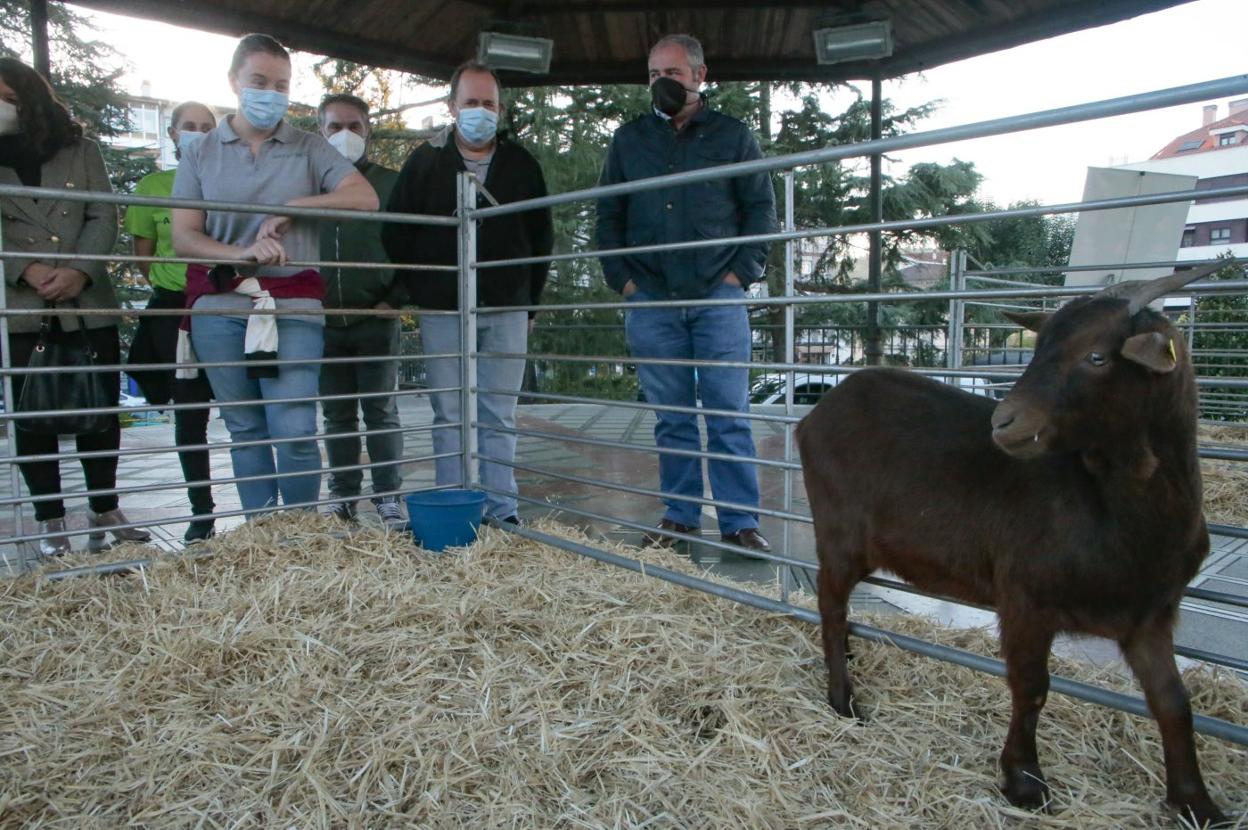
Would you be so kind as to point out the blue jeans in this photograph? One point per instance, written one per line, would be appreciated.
(700, 333)
(221, 339)
(503, 332)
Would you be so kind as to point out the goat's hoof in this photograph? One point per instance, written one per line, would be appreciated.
(847, 708)
(1204, 814)
(1026, 788)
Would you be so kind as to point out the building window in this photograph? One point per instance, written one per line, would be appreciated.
(1188, 146)
(1219, 236)
(144, 121)
(1189, 238)
(1227, 140)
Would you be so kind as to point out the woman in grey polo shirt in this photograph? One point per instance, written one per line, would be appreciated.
(256, 157)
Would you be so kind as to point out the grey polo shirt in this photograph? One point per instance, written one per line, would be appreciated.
(290, 164)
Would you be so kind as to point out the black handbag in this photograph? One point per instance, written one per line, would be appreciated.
(65, 391)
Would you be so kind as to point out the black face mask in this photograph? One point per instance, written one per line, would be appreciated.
(668, 96)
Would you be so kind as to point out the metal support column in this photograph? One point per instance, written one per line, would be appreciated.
(39, 37)
(874, 349)
(468, 326)
(789, 338)
(957, 309)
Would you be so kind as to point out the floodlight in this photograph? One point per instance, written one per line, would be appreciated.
(863, 41)
(515, 52)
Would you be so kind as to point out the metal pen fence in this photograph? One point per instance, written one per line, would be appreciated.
(1000, 291)
(17, 556)
(790, 564)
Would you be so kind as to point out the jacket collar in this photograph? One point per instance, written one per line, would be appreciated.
(226, 134)
(53, 173)
(444, 140)
(696, 120)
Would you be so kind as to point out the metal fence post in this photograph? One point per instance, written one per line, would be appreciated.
(468, 326)
(10, 438)
(957, 310)
(789, 338)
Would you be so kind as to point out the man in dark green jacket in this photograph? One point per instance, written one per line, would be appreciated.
(344, 123)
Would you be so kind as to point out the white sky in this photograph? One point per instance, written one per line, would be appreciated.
(1194, 42)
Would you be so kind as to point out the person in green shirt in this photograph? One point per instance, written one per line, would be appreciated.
(344, 123)
(156, 339)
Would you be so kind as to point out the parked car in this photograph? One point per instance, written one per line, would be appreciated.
(807, 388)
(995, 386)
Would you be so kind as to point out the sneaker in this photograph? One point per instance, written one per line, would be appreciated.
(343, 511)
(391, 514)
(106, 523)
(199, 530)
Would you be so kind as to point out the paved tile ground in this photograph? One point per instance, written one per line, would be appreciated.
(1205, 625)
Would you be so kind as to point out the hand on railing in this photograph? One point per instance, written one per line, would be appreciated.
(273, 228)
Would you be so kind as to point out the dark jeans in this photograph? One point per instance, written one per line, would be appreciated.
(155, 341)
(43, 478)
(375, 337)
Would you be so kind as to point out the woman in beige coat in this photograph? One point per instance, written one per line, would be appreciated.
(42, 146)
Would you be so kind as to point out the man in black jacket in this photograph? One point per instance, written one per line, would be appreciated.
(427, 184)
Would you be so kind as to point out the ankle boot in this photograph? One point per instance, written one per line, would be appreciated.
(53, 545)
(107, 521)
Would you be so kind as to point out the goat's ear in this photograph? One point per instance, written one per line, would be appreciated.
(1030, 320)
(1152, 350)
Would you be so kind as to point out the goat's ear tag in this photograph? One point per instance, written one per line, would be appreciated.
(1152, 350)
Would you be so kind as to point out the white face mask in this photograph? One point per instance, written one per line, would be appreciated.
(350, 144)
(187, 138)
(9, 123)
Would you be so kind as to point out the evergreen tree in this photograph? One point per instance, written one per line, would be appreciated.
(1220, 343)
(85, 75)
(569, 128)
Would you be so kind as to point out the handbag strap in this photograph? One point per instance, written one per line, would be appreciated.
(45, 329)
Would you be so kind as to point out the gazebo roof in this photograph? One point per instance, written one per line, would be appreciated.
(606, 41)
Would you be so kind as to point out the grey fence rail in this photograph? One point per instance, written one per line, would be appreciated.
(943, 349)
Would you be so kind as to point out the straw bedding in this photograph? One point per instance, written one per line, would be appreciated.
(1225, 482)
(292, 679)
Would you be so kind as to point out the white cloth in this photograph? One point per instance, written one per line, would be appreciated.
(260, 339)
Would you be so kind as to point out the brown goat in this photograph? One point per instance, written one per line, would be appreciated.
(1074, 505)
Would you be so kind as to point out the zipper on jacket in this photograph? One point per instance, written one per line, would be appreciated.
(338, 259)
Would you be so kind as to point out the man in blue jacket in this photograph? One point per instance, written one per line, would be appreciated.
(683, 133)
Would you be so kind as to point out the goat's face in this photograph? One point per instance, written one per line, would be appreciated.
(1093, 371)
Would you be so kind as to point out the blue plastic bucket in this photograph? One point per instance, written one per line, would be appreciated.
(445, 518)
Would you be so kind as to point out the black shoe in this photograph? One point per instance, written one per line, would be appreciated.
(650, 539)
(199, 530)
(749, 538)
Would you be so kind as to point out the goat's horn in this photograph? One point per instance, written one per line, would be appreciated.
(1140, 293)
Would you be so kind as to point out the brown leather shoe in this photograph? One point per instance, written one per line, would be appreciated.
(650, 539)
(748, 538)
